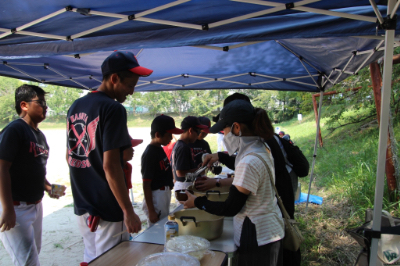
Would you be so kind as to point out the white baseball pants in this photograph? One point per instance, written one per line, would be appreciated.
(24, 241)
(98, 242)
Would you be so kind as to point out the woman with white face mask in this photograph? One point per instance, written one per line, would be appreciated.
(258, 223)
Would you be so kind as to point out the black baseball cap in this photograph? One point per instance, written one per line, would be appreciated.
(236, 96)
(119, 61)
(236, 111)
(205, 121)
(192, 121)
(165, 123)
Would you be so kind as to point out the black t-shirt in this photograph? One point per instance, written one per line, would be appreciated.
(28, 151)
(96, 124)
(156, 167)
(199, 148)
(182, 158)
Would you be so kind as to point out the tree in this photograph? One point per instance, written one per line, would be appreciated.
(59, 99)
(7, 99)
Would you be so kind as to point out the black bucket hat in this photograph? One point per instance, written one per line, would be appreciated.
(236, 111)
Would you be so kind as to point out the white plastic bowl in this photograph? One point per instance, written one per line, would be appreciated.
(168, 259)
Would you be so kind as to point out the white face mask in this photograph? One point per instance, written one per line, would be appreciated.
(232, 142)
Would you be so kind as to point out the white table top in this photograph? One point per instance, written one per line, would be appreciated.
(155, 235)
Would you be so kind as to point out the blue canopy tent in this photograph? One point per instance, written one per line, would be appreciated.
(197, 68)
(307, 45)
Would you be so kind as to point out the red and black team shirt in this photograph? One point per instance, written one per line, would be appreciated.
(182, 158)
(156, 167)
(95, 124)
(199, 148)
(28, 151)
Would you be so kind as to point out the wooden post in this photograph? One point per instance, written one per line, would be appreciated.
(376, 78)
(316, 108)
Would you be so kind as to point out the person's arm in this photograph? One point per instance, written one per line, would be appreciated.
(229, 161)
(8, 217)
(222, 157)
(207, 184)
(182, 173)
(230, 207)
(148, 196)
(115, 178)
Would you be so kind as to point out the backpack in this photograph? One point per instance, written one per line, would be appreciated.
(296, 158)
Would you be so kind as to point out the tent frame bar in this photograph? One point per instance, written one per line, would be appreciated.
(276, 7)
(315, 146)
(298, 6)
(383, 128)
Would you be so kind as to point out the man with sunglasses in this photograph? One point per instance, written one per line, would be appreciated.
(97, 135)
(182, 156)
(23, 158)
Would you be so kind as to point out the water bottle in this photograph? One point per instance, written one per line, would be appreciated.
(170, 229)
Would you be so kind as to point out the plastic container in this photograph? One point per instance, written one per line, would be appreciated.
(168, 259)
(180, 194)
(192, 245)
(171, 229)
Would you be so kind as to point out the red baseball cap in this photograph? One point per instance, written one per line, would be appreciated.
(136, 142)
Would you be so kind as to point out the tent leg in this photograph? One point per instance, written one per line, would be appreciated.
(383, 135)
(315, 146)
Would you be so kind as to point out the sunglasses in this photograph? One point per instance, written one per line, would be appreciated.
(43, 103)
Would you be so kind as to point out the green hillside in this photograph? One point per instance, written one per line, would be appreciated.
(344, 176)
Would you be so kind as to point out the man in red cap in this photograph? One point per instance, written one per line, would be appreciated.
(97, 136)
(156, 170)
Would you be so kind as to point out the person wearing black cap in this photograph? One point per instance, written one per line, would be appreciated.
(258, 223)
(201, 146)
(157, 171)
(283, 178)
(182, 156)
(97, 134)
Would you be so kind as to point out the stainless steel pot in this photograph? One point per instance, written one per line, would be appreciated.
(214, 194)
(199, 223)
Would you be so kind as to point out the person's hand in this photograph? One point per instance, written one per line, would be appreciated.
(190, 201)
(209, 159)
(132, 222)
(205, 184)
(57, 195)
(8, 220)
(127, 154)
(153, 217)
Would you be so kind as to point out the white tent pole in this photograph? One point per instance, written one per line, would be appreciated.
(383, 135)
(377, 13)
(315, 146)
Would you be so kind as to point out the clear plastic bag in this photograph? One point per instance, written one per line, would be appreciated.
(168, 259)
(192, 245)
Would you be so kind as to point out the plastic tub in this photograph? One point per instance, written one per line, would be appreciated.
(168, 259)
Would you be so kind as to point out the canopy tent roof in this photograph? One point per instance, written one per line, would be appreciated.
(208, 44)
(280, 66)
